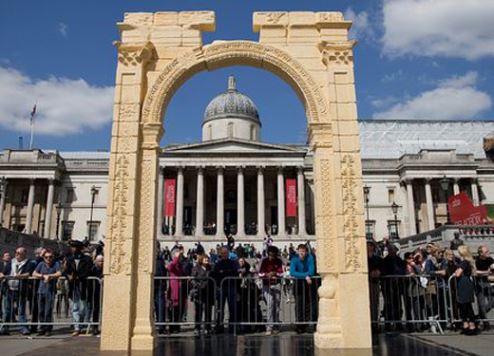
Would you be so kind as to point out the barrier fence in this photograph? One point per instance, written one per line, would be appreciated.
(241, 304)
(420, 302)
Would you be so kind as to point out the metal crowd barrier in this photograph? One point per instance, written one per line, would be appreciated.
(239, 303)
(64, 303)
(420, 302)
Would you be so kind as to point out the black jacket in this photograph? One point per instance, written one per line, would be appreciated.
(78, 274)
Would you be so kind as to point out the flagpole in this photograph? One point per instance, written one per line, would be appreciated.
(32, 127)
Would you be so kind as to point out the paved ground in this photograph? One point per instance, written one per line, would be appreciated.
(285, 344)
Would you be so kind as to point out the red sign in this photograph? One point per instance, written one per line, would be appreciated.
(169, 195)
(291, 197)
(462, 211)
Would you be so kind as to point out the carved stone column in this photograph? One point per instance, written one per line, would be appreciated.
(430, 205)
(281, 202)
(179, 229)
(301, 201)
(30, 207)
(411, 208)
(220, 204)
(261, 222)
(49, 209)
(240, 203)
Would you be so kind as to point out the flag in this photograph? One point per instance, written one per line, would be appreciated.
(169, 195)
(291, 197)
(33, 113)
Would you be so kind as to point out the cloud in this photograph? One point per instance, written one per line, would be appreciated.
(455, 98)
(446, 28)
(63, 28)
(361, 27)
(64, 106)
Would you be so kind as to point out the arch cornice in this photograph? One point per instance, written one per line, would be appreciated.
(225, 53)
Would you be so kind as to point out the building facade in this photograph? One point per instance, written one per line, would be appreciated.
(232, 182)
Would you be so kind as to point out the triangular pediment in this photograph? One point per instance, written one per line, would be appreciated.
(232, 146)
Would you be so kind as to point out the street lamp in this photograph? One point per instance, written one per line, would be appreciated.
(366, 200)
(394, 208)
(444, 183)
(94, 191)
(59, 212)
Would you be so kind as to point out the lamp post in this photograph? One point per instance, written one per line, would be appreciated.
(94, 190)
(394, 208)
(366, 200)
(59, 212)
(3, 183)
(444, 183)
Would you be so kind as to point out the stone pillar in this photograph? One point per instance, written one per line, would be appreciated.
(261, 224)
(301, 201)
(179, 227)
(159, 215)
(240, 203)
(475, 193)
(456, 187)
(220, 204)
(2, 202)
(30, 207)
(49, 209)
(430, 205)
(411, 208)
(200, 203)
(281, 203)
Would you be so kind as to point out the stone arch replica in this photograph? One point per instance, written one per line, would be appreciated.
(157, 53)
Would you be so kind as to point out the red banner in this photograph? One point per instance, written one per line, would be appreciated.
(291, 197)
(169, 195)
(462, 211)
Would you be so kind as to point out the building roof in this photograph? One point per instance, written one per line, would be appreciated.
(390, 139)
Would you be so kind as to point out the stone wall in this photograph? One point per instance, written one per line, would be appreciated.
(9, 240)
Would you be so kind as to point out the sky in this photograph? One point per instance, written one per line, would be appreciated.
(415, 59)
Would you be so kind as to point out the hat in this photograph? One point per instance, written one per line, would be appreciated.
(76, 244)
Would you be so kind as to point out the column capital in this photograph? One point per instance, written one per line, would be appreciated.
(428, 180)
(300, 169)
(407, 181)
(180, 169)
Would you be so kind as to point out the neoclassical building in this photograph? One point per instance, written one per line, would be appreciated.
(232, 182)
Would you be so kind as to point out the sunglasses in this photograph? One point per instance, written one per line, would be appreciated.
(48, 257)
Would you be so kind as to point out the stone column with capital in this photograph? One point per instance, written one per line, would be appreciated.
(411, 208)
(475, 193)
(49, 209)
(3, 198)
(456, 186)
(159, 209)
(30, 207)
(240, 203)
(301, 201)
(179, 227)
(261, 222)
(220, 203)
(430, 205)
(281, 203)
(200, 203)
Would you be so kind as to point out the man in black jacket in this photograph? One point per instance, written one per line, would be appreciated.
(16, 274)
(223, 269)
(78, 269)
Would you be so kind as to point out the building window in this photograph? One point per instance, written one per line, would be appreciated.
(230, 129)
(92, 230)
(252, 132)
(370, 229)
(67, 229)
(391, 195)
(209, 135)
(393, 228)
(24, 196)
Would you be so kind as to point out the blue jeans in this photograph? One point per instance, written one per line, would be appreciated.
(10, 298)
(79, 310)
(45, 310)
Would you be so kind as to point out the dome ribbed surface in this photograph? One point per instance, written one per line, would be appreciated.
(231, 104)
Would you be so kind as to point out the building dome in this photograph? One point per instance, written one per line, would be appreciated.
(231, 115)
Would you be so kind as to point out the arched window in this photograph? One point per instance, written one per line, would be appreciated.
(209, 133)
(230, 129)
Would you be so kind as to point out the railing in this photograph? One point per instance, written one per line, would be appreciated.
(35, 304)
(420, 302)
(240, 303)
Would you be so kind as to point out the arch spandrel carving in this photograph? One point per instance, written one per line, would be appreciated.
(228, 53)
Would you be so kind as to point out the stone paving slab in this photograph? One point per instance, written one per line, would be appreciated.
(481, 345)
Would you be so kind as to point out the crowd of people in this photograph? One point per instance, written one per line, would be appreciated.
(31, 288)
(430, 283)
(248, 282)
